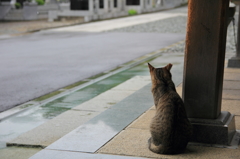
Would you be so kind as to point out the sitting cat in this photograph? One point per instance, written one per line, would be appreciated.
(170, 128)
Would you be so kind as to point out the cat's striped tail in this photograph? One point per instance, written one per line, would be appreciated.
(160, 149)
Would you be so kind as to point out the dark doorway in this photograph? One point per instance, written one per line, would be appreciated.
(133, 2)
(79, 5)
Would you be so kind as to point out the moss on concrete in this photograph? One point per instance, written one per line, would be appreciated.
(44, 97)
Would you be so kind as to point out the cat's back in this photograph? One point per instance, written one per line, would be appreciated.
(170, 103)
(183, 127)
(171, 114)
(167, 112)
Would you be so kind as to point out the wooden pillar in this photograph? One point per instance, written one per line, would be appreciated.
(204, 57)
(203, 72)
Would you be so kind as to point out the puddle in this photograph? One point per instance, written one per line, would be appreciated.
(29, 119)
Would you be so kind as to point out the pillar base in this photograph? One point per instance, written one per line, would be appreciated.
(214, 131)
(234, 62)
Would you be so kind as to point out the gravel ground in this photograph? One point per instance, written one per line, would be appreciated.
(170, 25)
(175, 25)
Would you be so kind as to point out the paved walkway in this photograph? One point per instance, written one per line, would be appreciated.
(115, 124)
(120, 130)
(123, 129)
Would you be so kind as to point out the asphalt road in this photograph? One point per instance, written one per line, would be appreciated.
(37, 64)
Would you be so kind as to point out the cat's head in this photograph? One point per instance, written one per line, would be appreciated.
(160, 75)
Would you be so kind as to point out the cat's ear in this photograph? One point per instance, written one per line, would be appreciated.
(168, 67)
(150, 67)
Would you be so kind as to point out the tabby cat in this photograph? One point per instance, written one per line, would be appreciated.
(170, 128)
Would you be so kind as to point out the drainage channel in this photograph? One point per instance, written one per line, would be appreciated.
(39, 112)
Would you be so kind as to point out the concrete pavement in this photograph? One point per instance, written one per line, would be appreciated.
(121, 130)
(132, 140)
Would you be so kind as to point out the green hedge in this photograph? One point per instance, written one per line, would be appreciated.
(40, 2)
(18, 5)
(132, 12)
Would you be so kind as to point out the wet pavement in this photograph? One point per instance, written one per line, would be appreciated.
(64, 61)
(72, 54)
(40, 114)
